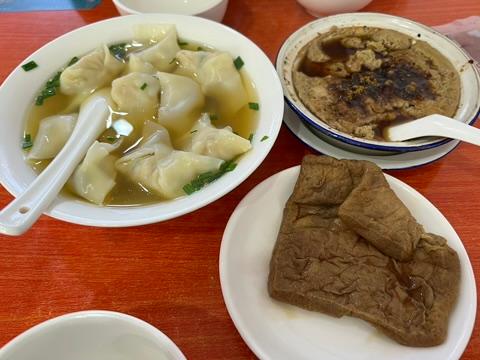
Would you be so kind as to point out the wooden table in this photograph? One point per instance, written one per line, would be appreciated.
(167, 273)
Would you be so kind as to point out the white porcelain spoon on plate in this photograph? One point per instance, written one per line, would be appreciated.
(18, 216)
(433, 125)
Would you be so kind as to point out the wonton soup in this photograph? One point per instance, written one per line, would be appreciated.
(181, 115)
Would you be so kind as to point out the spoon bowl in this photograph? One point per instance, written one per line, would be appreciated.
(21, 213)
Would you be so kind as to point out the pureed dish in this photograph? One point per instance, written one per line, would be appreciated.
(162, 91)
(361, 79)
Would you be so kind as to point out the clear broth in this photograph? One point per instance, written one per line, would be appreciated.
(126, 192)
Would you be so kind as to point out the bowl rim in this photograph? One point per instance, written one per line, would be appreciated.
(105, 314)
(326, 129)
(131, 11)
(78, 211)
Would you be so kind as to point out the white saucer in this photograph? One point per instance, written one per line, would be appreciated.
(388, 162)
(278, 331)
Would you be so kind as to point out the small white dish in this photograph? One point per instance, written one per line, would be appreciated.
(16, 174)
(92, 335)
(328, 7)
(209, 9)
(398, 161)
(468, 109)
(278, 331)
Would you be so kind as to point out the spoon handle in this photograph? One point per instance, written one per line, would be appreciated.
(455, 129)
(434, 125)
(21, 213)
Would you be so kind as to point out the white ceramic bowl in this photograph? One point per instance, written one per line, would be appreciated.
(92, 335)
(329, 7)
(16, 175)
(470, 79)
(209, 9)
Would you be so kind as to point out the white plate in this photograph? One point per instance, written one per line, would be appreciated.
(274, 330)
(389, 162)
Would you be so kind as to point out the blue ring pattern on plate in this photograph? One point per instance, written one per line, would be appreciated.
(321, 151)
(361, 144)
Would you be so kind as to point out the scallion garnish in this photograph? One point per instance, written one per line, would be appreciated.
(143, 87)
(250, 138)
(119, 50)
(265, 137)
(199, 48)
(111, 139)
(238, 62)
(173, 60)
(206, 178)
(73, 61)
(29, 66)
(253, 106)
(27, 142)
(213, 117)
(193, 131)
(49, 90)
(182, 43)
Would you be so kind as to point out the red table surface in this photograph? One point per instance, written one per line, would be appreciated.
(167, 273)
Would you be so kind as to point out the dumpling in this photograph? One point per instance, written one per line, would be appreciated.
(94, 178)
(53, 133)
(91, 72)
(189, 62)
(160, 168)
(155, 133)
(136, 92)
(206, 139)
(162, 53)
(181, 100)
(136, 64)
(155, 139)
(221, 81)
(219, 78)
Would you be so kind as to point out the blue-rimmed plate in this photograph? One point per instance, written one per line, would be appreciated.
(398, 161)
(469, 105)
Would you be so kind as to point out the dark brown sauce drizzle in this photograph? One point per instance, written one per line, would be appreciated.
(395, 79)
(335, 51)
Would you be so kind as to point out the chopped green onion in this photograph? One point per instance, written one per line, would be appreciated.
(228, 166)
(253, 106)
(143, 87)
(119, 50)
(50, 89)
(238, 62)
(265, 137)
(193, 131)
(250, 138)
(173, 60)
(199, 48)
(111, 139)
(27, 141)
(182, 43)
(73, 61)
(29, 66)
(206, 178)
(213, 117)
